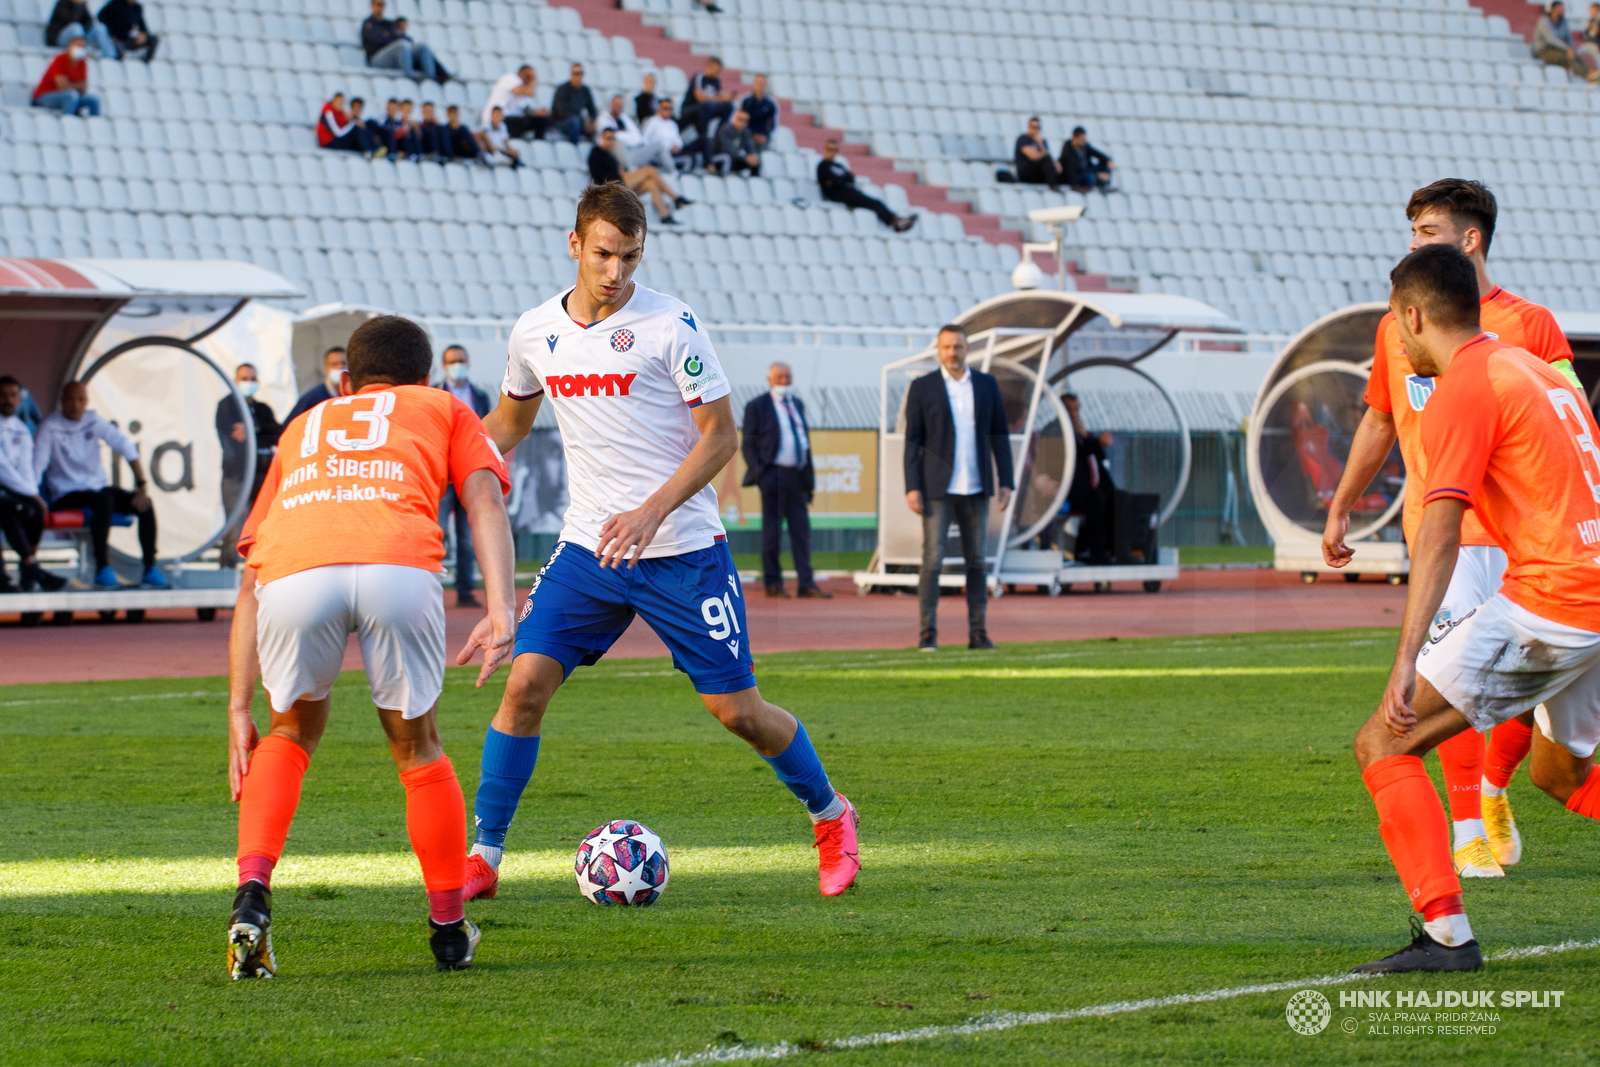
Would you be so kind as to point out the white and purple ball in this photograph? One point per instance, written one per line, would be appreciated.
(622, 862)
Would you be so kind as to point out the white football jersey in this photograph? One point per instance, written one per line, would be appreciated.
(622, 389)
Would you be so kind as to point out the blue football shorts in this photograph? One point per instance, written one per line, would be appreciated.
(577, 610)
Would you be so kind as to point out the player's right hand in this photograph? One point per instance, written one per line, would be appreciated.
(494, 634)
(1397, 697)
(1335, 553)
(242, 739)
(914, 501)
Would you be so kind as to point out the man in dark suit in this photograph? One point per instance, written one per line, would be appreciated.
(456, 384)
(957, 442)
(777, 457)
(230, 431)
(333, 365)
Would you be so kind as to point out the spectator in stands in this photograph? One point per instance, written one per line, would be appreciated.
(124, 21)
(235, 456)
(710, 6)
(1591, 37)
(839, 185)
(776, 442)
(662, 129)
(1552, 43)
(408, 135)
(763, 112)
(573, 112)
(606, 166)
(517, 97)
(644, 105)
(1083, 166)
(1031, 158)
(342, 130)
(495, 141)
(334, 363)
(72, 18)
(22, 509)
(634, 150)
(432, 138)
(390, 47)
(733, 149)
(1093, 494)
(462, 141)
(66, 457)
(705, 100)
(456, 366)
(65, 85)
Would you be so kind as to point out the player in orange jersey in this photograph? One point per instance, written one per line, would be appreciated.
(1460, 213)
(1507, 437)
(344, 539)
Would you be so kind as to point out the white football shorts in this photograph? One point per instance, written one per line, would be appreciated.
(1500, 659)
(1479, 569)
(303, 621)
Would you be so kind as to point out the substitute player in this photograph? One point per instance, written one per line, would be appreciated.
(1508, 437)
(344, 539)
(646, 424)
(1459, 213)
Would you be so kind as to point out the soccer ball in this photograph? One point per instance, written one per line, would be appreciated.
(621, 862)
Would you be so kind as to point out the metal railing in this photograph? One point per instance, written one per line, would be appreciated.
(800, 334)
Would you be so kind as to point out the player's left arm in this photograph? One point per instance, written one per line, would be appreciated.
(244, 668)
(632, 531)
(1545, 340)
(1432, 563)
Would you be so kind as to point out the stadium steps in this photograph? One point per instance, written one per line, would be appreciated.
(1522, 16)
(654, 43)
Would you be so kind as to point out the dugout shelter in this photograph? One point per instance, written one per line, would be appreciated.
(1042, 344)
(146, 336)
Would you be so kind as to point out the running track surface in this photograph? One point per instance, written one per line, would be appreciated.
(173, 644)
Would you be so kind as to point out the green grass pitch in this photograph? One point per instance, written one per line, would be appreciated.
(1045, 828)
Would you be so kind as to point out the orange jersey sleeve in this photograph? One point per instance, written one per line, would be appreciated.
(1506, 433)
(1523, 324)
(258, 511)
(358, 479)
(1377, 394)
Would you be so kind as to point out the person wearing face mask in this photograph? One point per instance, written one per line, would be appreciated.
(456, 384)
(231, 432)
(333, 365)
(777, 455)
(65, 85)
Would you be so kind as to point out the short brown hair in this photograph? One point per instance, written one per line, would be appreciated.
(612, 202)
(1467, 202)
(1442, 281)
(953, 327)
(389, 349)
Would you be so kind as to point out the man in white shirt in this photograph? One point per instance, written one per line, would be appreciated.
(66, 457)
(495, 140)
(957, 441)
(517, 97)
(776, 443)
(662, 129)
(646, 424)
(634, 149)
(22, 509)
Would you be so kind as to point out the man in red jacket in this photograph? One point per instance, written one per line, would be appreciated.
(65, 85)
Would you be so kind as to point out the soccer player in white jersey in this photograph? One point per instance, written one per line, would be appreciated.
(646, 423)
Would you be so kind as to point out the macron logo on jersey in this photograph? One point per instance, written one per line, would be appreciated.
(553, 338)
(589, 384)
(688, 317)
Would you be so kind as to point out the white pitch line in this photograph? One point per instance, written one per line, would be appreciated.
(988, 1024)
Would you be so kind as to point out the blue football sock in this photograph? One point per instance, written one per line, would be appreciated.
(507, 765)
(799, 768)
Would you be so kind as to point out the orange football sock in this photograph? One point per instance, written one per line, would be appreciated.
(267, 802)
(1414, 829)
(1508, 746)
(1586, 800)
(436, 819)
(1461, 757)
